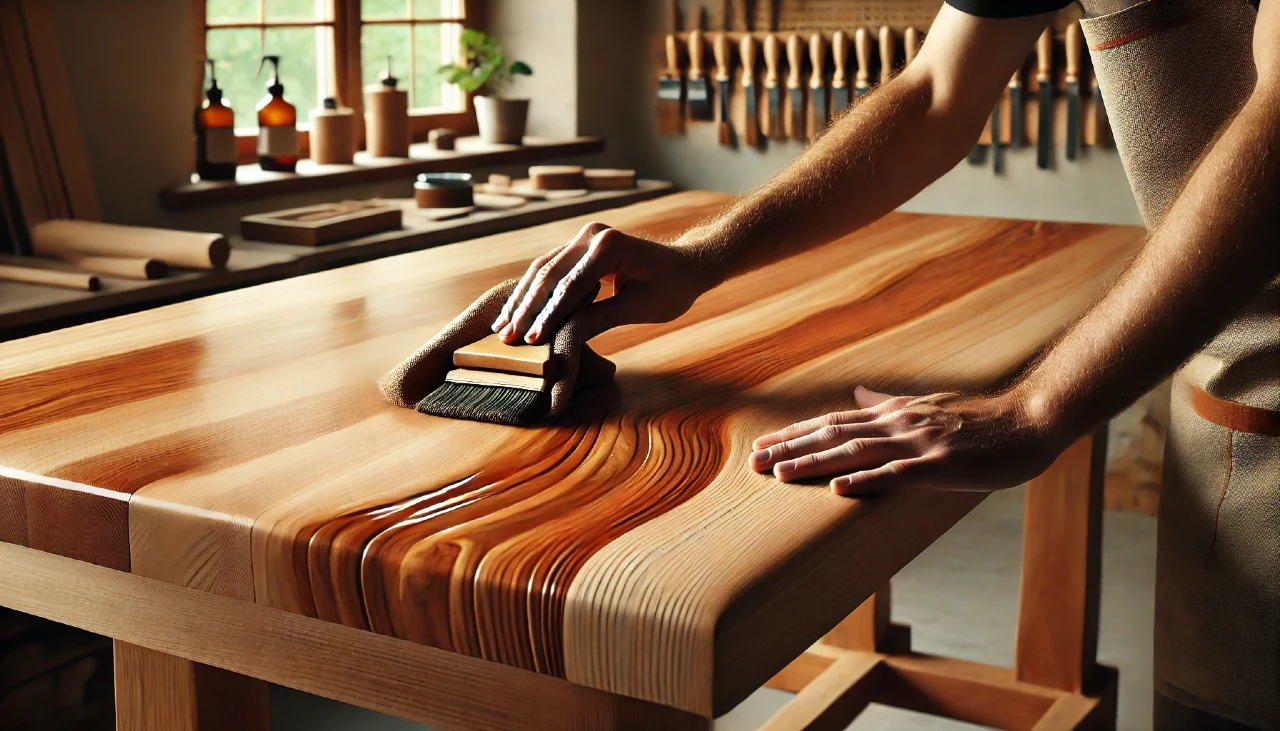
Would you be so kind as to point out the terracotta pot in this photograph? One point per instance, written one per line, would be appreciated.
(501, 121)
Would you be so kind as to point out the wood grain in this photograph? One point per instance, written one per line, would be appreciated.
(623, 546)
(159, 692)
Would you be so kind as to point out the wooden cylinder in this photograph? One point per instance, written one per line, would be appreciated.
(386, 122)
(443, 197)
(443, 138)
(558, 177)
(50, 277)
(608, 179)
(333, 139)
(122, 267)
(188, 249)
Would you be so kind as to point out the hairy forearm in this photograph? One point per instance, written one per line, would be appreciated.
(1214, 250)
(873, 159)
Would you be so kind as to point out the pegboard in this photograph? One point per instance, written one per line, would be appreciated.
(838, 14)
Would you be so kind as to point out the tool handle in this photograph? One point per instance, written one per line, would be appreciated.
(720, 46)
(817, 57)
(673, 56)
(887, 53)
(840, 56)
(695, 54)
(747, 50)
(911, 40)
(862, 47)
(1075, 47)
(1044, 57)
(795, 60)
(1015, 81)
(771, 60)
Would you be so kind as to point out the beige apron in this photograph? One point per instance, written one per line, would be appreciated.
(1173, 72)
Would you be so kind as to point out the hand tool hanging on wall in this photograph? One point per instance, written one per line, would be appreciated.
(862, 49)
(670, 84)
(1074, 43)
(1044, 79)
(818, 84)
(1016, 110)
(997, 154)
(888, 53)
(721, 49)
(840, 78)
(773, 118)
(795, 91)
(911, 43)
(751, 126)
(699, 91)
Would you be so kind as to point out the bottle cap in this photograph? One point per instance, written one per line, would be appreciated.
(330, 103)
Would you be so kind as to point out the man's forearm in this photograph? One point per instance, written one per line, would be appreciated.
(1215, 249)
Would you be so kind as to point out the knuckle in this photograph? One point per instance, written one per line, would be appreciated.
(855, 446)
(830, 431)
(607, 239)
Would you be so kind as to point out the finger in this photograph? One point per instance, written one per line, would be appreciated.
(900, 474)
(522, 287)
(866, 398)
(855, 454)
(510, 329)
(801, 428)
(602, 258)
(545, 283)
(818, 440)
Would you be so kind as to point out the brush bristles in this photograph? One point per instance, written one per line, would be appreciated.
(492, 404)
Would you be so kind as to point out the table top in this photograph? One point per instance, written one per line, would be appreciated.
(236, 444)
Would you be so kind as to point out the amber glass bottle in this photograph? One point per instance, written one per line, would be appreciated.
(215, 127)
(277, 125)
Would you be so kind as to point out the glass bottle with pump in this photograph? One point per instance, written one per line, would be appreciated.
(277, 124)
(215, 128)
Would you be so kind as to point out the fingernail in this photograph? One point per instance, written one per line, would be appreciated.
(760, 456)
(506, 331)
(533, 335)
(840, 483)
(497, 324)
(782, 467)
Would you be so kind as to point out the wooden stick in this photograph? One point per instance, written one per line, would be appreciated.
(50, 277)
(122, 267)
(66, 239)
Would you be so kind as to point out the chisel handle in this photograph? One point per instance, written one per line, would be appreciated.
(1015, 81)
(795, 60)
(747, 50)
(1075, 49)
(720, 46)
(771, 56)
(911, 42)
(673, 56)
(840, 56)
(1044, 57)
(862, 47)
(818, 58)
(695, 54)
(887, 53)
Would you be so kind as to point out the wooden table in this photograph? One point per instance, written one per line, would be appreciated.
(218, 486)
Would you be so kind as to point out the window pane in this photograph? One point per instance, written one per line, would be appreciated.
(297, 50)
(384, 8)
(434, 45)
(237, 53)
(436, 9)
(297, 9)
(379, 41)
(225, 11)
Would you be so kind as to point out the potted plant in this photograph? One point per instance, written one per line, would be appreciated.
(484, 71)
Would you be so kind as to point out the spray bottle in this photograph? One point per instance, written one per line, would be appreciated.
(215, 128)
(277, 124)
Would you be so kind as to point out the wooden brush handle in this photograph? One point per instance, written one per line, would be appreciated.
(771, 58)
(911, 43)
(50, 277)
(1075, 48)
(494, 378)
(795, 60)
(888, 53)
(695, 54)
(494, 355)
(747, 50)
(840, 57)
(862, 47)
(720, 46)
(673, 57)
(818, 59)
(1044, 57)
(64, 239)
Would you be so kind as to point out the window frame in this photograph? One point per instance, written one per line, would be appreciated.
(346, 25)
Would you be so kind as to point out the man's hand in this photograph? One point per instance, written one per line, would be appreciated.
(942, 441)
(652, 282)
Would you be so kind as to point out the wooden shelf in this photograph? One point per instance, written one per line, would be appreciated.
(253, 182)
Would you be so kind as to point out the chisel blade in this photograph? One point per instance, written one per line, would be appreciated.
(698, 90)
(797, 112)
(752, 134)
(1044, 130)
(839, 99)
(818, 96)
(997, 156)
(775, 113)
(1073, 119)
(1015, 116)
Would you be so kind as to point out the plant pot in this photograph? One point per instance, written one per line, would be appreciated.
(501, 121)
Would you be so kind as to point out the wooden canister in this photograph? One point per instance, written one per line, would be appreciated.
(386, 121)
(333, 139)
(443, 190)
(558, 177)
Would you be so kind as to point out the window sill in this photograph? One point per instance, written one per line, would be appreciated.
(253, 182)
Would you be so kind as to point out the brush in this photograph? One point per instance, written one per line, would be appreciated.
(496, 383)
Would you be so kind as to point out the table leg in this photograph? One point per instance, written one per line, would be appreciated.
(160, 692)
(870, 629)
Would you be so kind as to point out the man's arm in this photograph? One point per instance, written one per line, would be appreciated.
(1216, 248)
(874, 158)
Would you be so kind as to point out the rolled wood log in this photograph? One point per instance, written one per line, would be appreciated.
(558, 177)
(609, 179)
(188, 249)
(122, 267)
(50, 277)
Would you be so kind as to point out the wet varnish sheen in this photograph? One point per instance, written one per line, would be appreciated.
(237, 444)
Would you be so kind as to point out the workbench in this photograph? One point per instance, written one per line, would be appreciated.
(218, 486)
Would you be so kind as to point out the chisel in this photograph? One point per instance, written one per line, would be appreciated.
(1015, 109)
(888, 54)
(795, 90)
(840, 78)
(997, 156)
(699, 92)
(671, 92)
(911, 43)
(720, 46)
(817, 84)
(862, 48)
(773, 118)
(1044, 79)
(1074, 42)
(751, 128)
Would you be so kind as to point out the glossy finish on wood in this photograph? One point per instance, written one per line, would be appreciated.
(623, 547)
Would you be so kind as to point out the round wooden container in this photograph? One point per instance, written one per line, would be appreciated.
(386, 121)
(443, 138)
(332, 136)
(607, 179)
(558, 177)
(443, 190)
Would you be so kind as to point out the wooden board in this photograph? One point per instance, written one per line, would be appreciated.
(624, 547)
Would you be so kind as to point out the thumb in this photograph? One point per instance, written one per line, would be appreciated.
(865, 398)
(609, 313)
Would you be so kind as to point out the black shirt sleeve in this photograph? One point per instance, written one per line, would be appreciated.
(1007, 8)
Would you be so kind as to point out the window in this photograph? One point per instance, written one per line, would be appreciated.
(335, 48)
